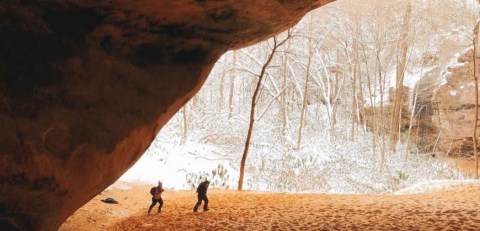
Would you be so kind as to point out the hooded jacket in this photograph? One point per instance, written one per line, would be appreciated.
(202, 188)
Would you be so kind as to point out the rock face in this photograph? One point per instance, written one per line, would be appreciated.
(85, 85)
(454, 101)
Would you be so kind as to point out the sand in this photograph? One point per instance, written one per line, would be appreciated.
(456, 208)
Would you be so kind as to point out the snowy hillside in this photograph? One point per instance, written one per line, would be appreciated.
(344, 167)
(314, 127)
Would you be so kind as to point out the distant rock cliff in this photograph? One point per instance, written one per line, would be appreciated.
(454, 104)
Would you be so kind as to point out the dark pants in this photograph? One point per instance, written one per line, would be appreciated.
(154, 202)
(200, 198)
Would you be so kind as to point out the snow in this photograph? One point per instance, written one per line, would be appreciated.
(171, 167)
(414, 75)
(435, 185)
(338, 167)
(327, 161)
(120, 185)
(453, 63)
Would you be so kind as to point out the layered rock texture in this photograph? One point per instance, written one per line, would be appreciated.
(85, 85)
(454, 100)
(454, 104)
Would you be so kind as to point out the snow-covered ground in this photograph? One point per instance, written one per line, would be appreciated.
(344, 167)
(435, 185)
(181, 167)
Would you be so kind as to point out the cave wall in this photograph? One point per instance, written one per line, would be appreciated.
(85, 85)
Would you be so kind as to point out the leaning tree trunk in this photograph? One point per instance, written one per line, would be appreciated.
(252, 109)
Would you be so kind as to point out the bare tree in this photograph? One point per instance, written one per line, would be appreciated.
(475, 77)
(232, 86)
(283, 98)
(185, 124)
(262, 74)
(304, 96)
(394, 126)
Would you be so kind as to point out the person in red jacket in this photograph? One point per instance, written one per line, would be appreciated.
(156, 197)
(202, 195)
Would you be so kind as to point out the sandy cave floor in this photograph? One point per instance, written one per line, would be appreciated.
(456, 208)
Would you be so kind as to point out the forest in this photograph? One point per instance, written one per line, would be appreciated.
(350, 100)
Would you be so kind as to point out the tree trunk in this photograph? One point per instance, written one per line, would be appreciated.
(252, 108)
(336, 94)
(395, 121)
(185, 124)
(232, 87)
(475, 145)
(412, 117)
(284, 96)
(221, 98)
(372, 103)
(353, 71)
(354, 108)
(304, 103)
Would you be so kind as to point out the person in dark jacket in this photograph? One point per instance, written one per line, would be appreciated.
(202, 195)
(157, 197)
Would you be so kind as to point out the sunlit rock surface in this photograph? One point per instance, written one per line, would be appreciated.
(85, 85)
(454, 102)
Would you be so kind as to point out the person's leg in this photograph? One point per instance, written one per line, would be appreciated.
(160, 201)
(152, 205)
(199, 202)
(205, 206)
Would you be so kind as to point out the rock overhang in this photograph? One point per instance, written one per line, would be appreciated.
(85, 86)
